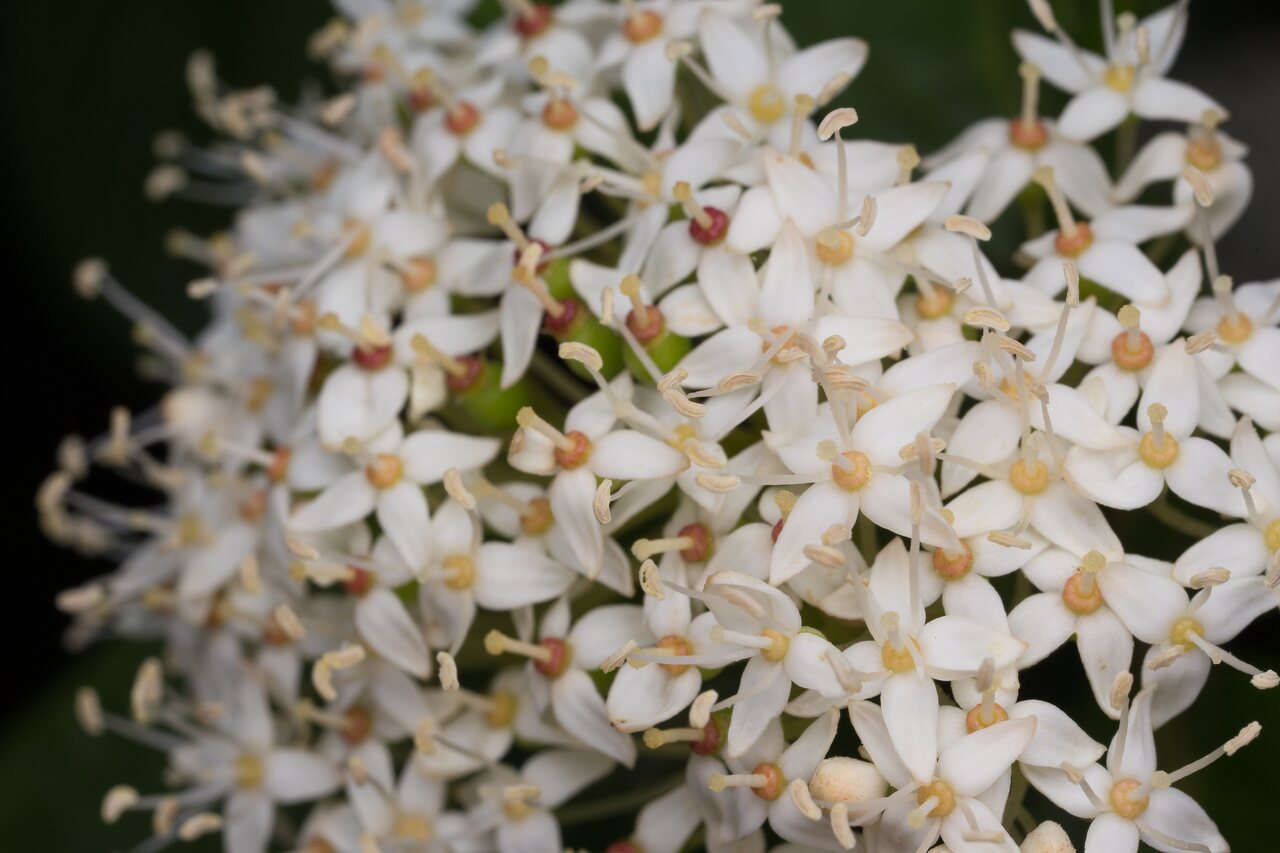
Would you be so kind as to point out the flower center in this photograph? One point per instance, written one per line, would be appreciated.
(1127, 358)
(976, 720)
(502, 711)
(678, 646)
(897, 660)
(1122, 805)
(1158, 455)
(418, 274)
(642, 26)
(1076, 242)
(934, 304)
(1180, 633)
(279, 464)
(1031, 482)
(1235, 328)
(711, 230)
(560, 326)
(709, 744)
(953, 566)
(537, 517)
(248, 770)
(775, 782)
(1028, 135)
(371, 357)
(854, 477)
(1119, 77)
(360, 582)
(1272, 536)
(647, 325)
(778, 645)
(942, 791)
(1204, 154)
(462, 118)
(1081, 593)
(559, 114)
(835, 249)
(359, 722)
(385, 470)
(576, 456)
(413, 827)
(558, 661)
(703, 542)
(533, 20)
(766, 103)
(460, 571)
(467, 378)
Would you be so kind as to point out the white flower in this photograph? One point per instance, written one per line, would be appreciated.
(1129, 799)
(1103, 603)
(1127, 80)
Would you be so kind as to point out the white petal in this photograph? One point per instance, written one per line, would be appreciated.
(428, 454)
(687, 312)
(810, 70)
(768, 688)
(1092, 113)
(248, 816)
(296, 775)
(1106, 650)
(1044, 623)
(385, 625)
(643, 697)
(509, 576)
(973, 763)
(1147, 604)
(629, 455)
(1156, 97)
(572, 494)
(1058, 738)
(910, 703)
(1199, 476)
(954, 647)
(1121, 267)
(821, 506)
(580, 710)
(649, 80)
(1110, 832)
(729, 283)
(1175, 814)
(403, 515)
(1178, 684)
(1056, 63)
(346, 500)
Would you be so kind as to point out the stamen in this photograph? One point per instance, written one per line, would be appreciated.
(1246, 736)
(908, 160)
(1066, 221)
(497, 643)
(683, 193)
(528, 419)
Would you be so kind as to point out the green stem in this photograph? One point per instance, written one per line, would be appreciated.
(1126, 143)
(1017, 793)
(619, 804)
(1170, 516)
(557, 378)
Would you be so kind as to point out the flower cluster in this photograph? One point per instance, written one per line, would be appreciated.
(586, 408)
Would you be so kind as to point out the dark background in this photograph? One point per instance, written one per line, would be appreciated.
(86, 85)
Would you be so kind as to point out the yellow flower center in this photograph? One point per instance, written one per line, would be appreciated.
(1119, 77)
(385, 470)
(896, 660)
(934, 304)
(413, 827)
(1272, 535)
(835, 249)
(1158, 457)
(1235, 329)
(778, 645)
(248, 770)
(975, 720)
(1029, 482)
(856, 476)
(1180, 633)
(502, 711)
(460, 571)
(1122, 805)
(941, 790)
(766, 104)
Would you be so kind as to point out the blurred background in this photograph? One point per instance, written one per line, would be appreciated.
(86, 86)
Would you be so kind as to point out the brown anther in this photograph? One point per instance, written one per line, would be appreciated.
(576, 456)
(1076, 599)
(642, 25)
